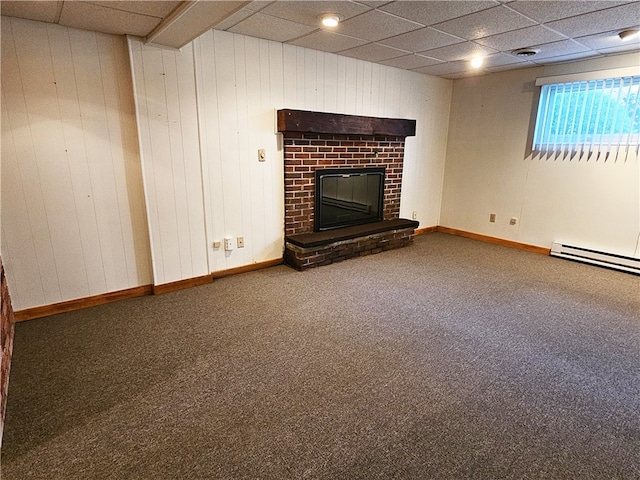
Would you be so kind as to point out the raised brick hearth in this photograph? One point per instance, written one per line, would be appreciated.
(324, 146)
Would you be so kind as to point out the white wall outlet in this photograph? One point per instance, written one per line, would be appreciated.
(262, 155)
(228, 243)
(513, 221)
(492, 217)
(240, 242)
(217, 244)
(414, 215)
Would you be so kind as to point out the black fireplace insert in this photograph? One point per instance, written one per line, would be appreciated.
(348, 196)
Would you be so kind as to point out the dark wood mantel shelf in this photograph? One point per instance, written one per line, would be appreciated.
(336, 123)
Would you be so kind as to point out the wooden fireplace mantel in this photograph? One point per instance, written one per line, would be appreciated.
(336, 123)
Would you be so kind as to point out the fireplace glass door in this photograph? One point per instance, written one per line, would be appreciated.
(345, 197)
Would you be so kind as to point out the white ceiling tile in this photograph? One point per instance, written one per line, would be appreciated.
(373, 52)
(464, 74)
(569, 58)
(549, 10)
(271, 28)
(432, 12)
(620, 49)
(375, 25)
(327, 41)
(598, 22)
(608, 40)
(423, 39)
(524, 37)
(443, 69)
(410, 61)
(107, 20)
(565, 47)
(152, 8)
(308, 12)
(374, 3)
(511, 66)
(485, 23)
(239, 15)
(43, 11)
(499, 59)
(459, 51)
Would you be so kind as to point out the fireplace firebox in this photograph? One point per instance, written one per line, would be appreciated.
(348, 196)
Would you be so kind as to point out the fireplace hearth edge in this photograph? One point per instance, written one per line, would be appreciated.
(304, 251)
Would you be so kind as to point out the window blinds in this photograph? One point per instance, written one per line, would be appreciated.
(595, 118)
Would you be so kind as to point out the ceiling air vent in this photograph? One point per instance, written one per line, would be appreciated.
(525, 52)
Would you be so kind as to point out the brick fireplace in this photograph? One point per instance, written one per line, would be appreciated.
(313, 141)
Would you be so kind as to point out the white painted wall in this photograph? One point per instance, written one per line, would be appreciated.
(72, 204)
(239, 83)
(587, 203)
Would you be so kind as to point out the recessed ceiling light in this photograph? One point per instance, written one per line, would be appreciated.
(330, 20)
(628, 34)
(477, 62)
(525, 52)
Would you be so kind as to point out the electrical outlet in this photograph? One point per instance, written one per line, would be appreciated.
(513, 221)
(414, 215)
(216, 244)
(240, 242)
(492, 218)
(228, 243)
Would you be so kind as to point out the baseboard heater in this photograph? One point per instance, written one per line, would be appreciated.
(603, 259)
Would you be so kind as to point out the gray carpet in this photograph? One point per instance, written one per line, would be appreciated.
(449, 359)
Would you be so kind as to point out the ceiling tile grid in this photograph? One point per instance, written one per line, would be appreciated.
(435, 37)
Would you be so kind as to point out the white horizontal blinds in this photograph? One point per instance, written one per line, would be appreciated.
(599, 119)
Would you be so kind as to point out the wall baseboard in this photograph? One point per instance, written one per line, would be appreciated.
(79, 303)
(182, 284)
(495, 240)
(425, 230)
(247, 268)
(86, 302)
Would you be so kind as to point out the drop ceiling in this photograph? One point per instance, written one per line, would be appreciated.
(431, 37)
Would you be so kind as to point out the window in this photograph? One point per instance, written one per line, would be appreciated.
(593, 116)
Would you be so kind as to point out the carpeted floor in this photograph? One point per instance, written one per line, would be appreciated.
(449, 359)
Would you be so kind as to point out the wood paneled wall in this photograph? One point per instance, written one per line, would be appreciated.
(224, 88)
(73, 214)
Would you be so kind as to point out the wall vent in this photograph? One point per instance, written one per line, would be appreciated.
(603, 259)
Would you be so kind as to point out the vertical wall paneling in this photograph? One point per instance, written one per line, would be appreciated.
(144, 142)
(329, 83)
(28, 288)
(225, 77)
(202, 151)
(350, 87)
(70, 179)
(244, 49)
(168, 118)
(274, 180)
(49, 164)
(134, 224)
(91, 70)
(209, 120)
(257, 86)
(158, 169)
(289, 81)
